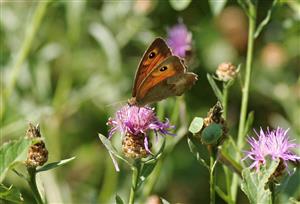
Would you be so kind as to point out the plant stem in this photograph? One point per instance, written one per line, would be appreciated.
(212, 179)
(225, 101)
(32, 183)
(245, 90)
(272, 189)
(24, 50)
(134, 179)
(225, 168)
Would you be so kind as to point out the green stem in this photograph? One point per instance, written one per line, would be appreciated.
(245, 90)
(33, 186)
(212, 179)
(272, 189)
(24, 50)
(134, 179)
(154, 176)
(225, 168)
(225, 101)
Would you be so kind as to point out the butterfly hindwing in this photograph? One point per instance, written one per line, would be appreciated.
(167, 79)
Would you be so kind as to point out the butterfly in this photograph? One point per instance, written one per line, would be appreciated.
(160, 75)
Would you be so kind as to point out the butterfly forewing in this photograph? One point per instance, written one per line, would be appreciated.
(157, 52)
(170, 67)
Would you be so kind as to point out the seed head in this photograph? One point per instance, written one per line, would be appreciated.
(226, 71)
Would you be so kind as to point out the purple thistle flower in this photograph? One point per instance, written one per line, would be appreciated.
(136, 120)
(179, 39)
(274, 143)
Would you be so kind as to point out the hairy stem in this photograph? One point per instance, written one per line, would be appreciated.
(32, 183)
(134, 180)
(212, 179)
(225, 168)
(245, 90)
(225, 101)
(272, 189)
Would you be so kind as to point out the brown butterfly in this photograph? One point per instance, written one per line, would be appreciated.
(160, 74)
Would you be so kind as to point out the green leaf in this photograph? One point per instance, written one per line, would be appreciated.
(145, 172)
(180, 5)
(119, 200)
(195, 149)
(196, 125)
(111, 149)
(265, 21)
(10, 194)
(107, 41)
(54, 164)
(215, 88)
(149, 165)
(164, 201)
(158, 154)
(222, 194)
(254, 183)
(244, 6)
(12, 152)
(217, 6)
(249, 122)
(211, 134)
(226, 159)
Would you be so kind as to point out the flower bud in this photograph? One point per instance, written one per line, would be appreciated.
(214, 129)
(37, 153)
(211, 134)
(226, 71)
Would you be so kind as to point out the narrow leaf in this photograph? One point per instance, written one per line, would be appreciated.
(244, 6)
(180, 5)
(214, 87)
(10, 194)
(217, 6)
(119, 200)
(111, 149)
(149, 165)
(107, 41)
(145, 172)
(196, 125)
(249, 122)
(195, 149)
(158, 154)
(19, 174)
(265, 21)
(226, 159)
(12, 152)
(164, 201)
(54, 164)
(222, 194)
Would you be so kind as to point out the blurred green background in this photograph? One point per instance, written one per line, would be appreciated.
(80, 69)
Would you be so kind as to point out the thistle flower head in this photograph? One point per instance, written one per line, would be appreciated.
(271, 143)
(135, 123)
(179, 39)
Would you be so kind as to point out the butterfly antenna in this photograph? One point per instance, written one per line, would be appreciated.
(117, 103)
